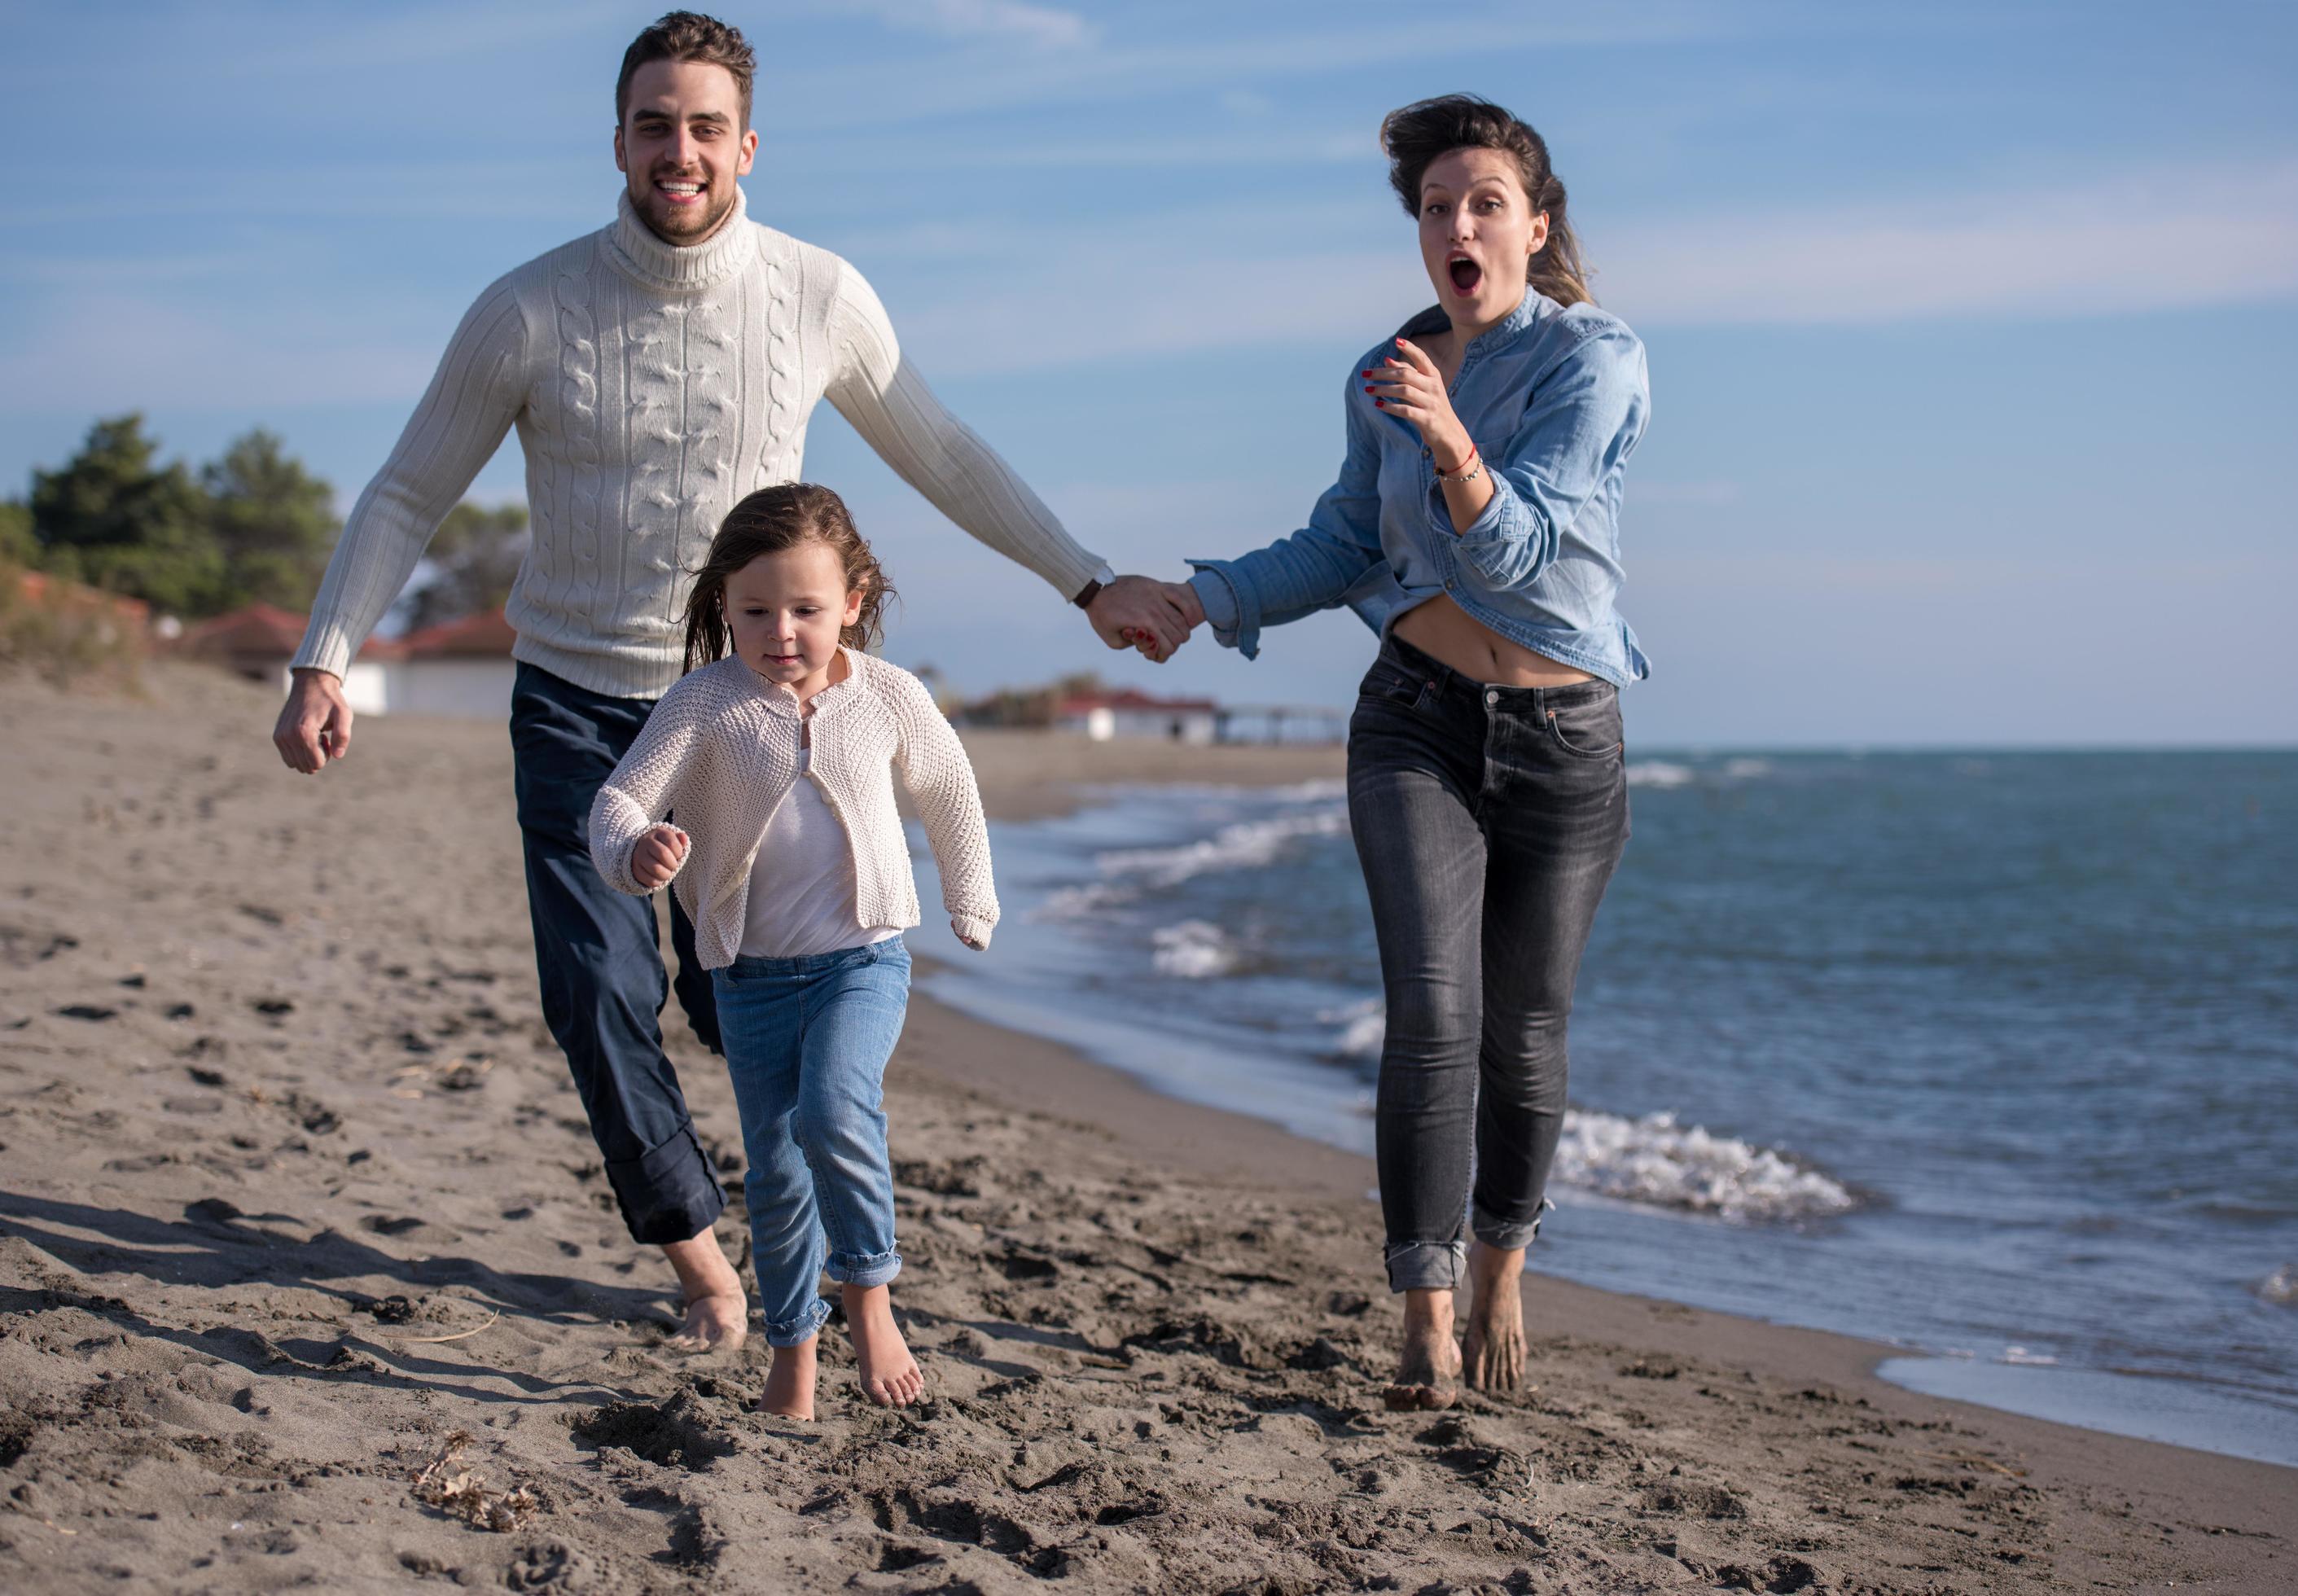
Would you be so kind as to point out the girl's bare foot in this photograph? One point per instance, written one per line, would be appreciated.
(1494, 1345)
(790, 1384)
(717, 1313)
(889, 1373)
(1428, 1369)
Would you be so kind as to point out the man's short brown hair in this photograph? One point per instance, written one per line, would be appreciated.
(687, 36)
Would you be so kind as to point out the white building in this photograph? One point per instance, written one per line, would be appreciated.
(461, 668)
(1129, 713)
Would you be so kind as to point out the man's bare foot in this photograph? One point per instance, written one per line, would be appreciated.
(889, 1373)
(1428, 1369)
(790, 1384)
(717, 1313)
(1493, 1345)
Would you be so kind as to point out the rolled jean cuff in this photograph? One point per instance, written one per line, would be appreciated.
(1507, 1236)
(669, 1192)
(796, 1332)
(1427, 1265)
(875, 1269)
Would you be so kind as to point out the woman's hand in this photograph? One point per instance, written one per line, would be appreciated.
(657, 855)
(1412, 388)
(1191, 609)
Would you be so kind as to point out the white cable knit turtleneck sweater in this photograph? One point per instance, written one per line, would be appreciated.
(652, 388)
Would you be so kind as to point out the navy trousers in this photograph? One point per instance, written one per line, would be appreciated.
(599, 953)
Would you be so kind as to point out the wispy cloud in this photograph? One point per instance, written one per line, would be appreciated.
(1045, 26)
(2160, 240)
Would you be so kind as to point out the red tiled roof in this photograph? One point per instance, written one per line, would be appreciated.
(1128, 698)
(263, 630)
(487, 635)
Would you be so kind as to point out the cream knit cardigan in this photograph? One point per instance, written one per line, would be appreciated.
(653, 387)
(720, 750)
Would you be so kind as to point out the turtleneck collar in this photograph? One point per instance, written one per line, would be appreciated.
(671, 268)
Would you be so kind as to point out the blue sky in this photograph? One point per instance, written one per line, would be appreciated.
(1971, 326)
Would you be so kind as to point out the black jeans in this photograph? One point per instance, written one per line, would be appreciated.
(599, 955)
(1489, 821)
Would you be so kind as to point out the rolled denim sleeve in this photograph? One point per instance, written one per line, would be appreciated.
(1582, 420)
(1314, 567)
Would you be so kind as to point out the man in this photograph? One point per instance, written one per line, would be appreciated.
(658, 370)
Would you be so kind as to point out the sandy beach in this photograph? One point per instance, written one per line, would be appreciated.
(309, 1276)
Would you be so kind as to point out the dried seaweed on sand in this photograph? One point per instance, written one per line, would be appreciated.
(444, 1484)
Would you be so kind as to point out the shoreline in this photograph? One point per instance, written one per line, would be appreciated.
(299, 1191)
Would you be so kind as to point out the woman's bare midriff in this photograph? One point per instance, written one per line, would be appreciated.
(1443, 631)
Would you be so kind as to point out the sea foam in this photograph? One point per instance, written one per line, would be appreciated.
(1651, 1160)
(1193, 950)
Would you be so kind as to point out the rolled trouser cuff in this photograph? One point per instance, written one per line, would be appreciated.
(669, 1193)
(798, 1331)
(876, 1269)
(1506, 1234)
(1427, 1265)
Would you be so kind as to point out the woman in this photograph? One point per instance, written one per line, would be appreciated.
(1474, 527)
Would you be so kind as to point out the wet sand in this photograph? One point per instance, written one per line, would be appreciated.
(296, 1192)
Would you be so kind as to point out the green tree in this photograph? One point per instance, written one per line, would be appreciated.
(272, 521)
(18, 547)
(474, 558)
(113, 517)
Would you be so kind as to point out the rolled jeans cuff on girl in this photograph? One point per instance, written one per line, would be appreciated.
(798, 1331)
(878, 1269)
(1427, 1265)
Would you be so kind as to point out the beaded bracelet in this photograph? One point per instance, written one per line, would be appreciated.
(1467, 473)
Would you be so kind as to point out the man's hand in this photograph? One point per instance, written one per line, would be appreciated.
(315, 724)
(1139, 612)
(657, 855)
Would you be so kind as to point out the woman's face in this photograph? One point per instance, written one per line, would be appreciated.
(1477, 231)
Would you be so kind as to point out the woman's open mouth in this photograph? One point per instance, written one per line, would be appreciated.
(1466, 274)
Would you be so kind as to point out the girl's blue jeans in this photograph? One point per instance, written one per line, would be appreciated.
(806, 1043)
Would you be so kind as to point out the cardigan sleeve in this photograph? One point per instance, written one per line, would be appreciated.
(939, 775)
(638, 793)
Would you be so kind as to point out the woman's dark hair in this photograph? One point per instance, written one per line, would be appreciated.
(768, 522)
(1422, 131)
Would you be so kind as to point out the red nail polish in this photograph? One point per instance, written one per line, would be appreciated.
(1367, 387)
(1383, 403)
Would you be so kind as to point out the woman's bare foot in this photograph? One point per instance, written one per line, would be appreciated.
(790, 1384)
(1428, 1369)
(717, 1312)
(1493, 1345)
(889, 1373)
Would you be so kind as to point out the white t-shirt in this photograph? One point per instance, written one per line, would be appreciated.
(802, 894)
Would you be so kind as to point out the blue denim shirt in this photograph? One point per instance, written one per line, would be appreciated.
(1555, 398)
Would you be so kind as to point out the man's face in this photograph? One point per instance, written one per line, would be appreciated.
(680, 146)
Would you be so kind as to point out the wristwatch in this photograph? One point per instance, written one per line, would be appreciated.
(1085, 594)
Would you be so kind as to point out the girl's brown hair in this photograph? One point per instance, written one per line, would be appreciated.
(1422, 131)
(768, 522)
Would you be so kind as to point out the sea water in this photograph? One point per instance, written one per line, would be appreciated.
(1991, 1056)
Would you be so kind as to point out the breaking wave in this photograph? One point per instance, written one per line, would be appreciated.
(1651, 1160)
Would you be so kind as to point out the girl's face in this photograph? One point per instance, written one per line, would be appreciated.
(785, 610)
(1477, 232)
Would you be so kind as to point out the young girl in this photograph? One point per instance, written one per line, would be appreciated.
(778, 760)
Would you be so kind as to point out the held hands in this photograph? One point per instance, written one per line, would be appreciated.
(1139, 612)
(657, 855)
(1186, 605)
(1412, 388)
